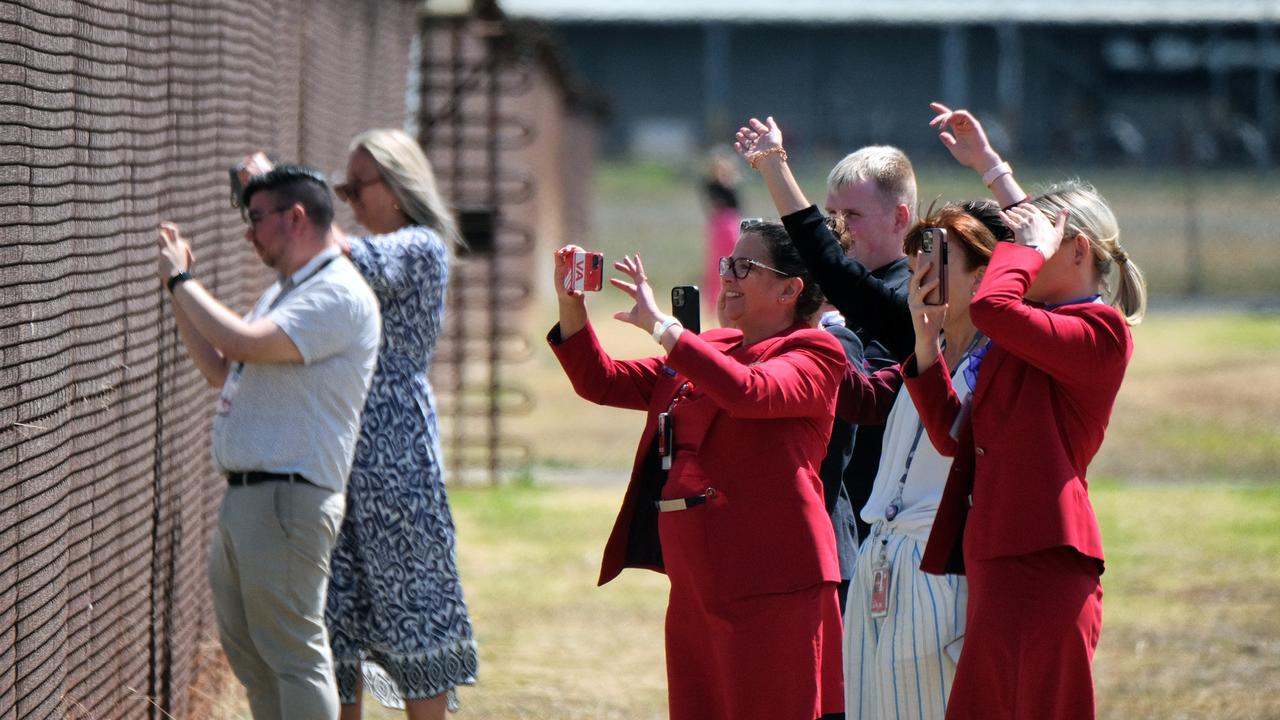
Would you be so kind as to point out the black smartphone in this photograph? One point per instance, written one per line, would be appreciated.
(685, 306)
(933, 246)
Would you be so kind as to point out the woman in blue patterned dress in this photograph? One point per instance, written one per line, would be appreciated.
(396, 616)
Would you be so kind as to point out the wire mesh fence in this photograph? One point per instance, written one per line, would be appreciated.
(115, 114)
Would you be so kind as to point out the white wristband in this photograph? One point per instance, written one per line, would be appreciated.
(990, 176)
(660, 328)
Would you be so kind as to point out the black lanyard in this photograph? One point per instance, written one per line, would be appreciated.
(286, 286)
(892, 510)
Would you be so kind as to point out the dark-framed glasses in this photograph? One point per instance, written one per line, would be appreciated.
(741, 267)
(253, 217)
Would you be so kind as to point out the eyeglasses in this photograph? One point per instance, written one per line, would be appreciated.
(350, 191)
(748, 223)
(741, 267)
(253, 218)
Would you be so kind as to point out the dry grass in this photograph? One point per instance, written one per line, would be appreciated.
(1193, 583)
(1189, 630)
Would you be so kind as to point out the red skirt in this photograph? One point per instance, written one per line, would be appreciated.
(772, 657)
(1031, 628)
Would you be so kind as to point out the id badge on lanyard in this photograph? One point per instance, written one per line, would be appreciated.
(229, 390)
(666, 427)
(881, 577)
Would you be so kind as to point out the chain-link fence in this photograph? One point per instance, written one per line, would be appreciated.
(115, 114)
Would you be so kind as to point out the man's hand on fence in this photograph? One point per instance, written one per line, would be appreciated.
(175, 252)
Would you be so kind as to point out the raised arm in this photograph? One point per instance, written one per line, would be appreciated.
(594, 375)
(867, 399)
(800, 381)
(847, 284)
(213, 334)
(969, 145)
(760, 144)
(864, 299)
(1071, 346)
(927, 376)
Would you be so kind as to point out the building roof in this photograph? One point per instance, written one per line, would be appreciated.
(901, 11)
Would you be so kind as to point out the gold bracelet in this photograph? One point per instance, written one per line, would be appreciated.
(754, 158)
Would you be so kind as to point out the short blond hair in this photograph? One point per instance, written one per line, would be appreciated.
(886, 166)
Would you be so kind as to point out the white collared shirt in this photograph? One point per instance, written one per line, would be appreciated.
(304, 418)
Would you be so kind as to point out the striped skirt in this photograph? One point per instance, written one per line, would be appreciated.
(901, 665)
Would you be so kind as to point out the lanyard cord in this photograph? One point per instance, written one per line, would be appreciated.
(896, 505)
(286, 286)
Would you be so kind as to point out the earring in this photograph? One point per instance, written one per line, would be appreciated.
(397, 205)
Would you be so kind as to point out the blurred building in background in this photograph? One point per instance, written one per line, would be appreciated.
(1148, 82)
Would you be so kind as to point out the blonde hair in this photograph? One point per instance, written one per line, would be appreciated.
(888, 167)
(1089, 214)
(408, 173)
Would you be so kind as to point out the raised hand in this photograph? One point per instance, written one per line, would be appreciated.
(927, 319)
(1031, 227)
(563, 262)
(966, 140)
(175, 252)
(756, 138)
(255, 164)
(645, 311)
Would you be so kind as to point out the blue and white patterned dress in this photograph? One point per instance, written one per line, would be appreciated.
(395, 610)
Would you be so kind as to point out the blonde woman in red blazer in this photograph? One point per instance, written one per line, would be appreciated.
(737, 522)
(1015, 515)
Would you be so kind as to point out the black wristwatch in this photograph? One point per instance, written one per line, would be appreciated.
(178, 278)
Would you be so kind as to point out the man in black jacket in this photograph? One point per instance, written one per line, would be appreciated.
(871, 194)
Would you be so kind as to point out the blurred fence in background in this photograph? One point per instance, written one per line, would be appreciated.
(513, 139)
(115, 114)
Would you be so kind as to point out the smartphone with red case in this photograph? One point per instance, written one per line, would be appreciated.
(586, 272)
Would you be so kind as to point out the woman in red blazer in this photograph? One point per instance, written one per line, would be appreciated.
(1015, 515)
(725, 496)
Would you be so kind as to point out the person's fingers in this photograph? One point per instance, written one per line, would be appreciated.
(773, 124)
(759, 126)
(941, 119)
(948, 139)
(624, 286)
(1060, 227)
(939, 108)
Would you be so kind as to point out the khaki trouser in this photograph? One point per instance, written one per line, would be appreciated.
(269, 570)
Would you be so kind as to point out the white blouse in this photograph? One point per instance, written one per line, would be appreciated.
(928, 473)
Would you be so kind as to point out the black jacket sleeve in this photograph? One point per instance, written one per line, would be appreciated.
(866, 301)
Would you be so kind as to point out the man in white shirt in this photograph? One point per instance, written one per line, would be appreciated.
(294, 373)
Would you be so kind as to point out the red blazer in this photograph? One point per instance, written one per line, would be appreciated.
(1044, 397)
(868, 399)
(754, 427)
